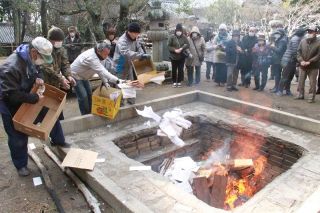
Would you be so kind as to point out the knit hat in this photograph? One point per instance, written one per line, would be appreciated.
(179, 27)
(261, 37)
(44, 48)
(223, 27)
(235, 33)
(72, 29)
(55, 34)
(134, 27)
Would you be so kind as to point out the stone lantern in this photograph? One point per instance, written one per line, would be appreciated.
(158, 33)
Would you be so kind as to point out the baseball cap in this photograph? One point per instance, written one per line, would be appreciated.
(313, 28)
(44, 48)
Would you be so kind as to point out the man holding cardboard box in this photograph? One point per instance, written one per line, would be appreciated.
(84, 67)
(18, 75)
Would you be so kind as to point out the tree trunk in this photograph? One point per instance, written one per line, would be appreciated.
(43, 14)
(123, 19)
(16, 25)
(24, 25)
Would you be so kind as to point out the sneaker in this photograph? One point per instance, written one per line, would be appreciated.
(174, 85)
(289, 93)
(179, 85)
(234, 89)
(260, 89)
(229, 89)
(23, 172)
(279, 93)
(300, 97)
(274, 90)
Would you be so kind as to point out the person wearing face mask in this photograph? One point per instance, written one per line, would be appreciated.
(219, 42)
(58, 72)
(245, 58)
(87, 64)
(18, 74)
(289, 62)
(178, 45)
(197, 49)
(128, 48)
(278, 48)
(73, 43)
(209, 58)
(261, 62)
(308, 57)
(111, 36)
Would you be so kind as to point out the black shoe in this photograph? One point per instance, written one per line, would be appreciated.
(23, 172)
(64, 145)
(318, 91)
(240, 85)
(260, 89)
(256, 88)
(229, 89)
(299, 97)
(234, 89)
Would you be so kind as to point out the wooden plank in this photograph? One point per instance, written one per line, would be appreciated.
(218, 191)
(201, 189)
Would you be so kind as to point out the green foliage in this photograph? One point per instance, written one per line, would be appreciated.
(184, 7)
(223, 11)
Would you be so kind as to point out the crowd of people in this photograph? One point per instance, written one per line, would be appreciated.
(250, 53)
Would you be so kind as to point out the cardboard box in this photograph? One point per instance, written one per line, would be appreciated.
(37, 120)
(102, 105)
(145, 71)
(80, 159)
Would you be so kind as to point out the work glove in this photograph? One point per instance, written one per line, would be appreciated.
(145, 56)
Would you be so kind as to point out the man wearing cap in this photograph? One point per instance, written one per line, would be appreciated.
(127, 50)
(73, 43)
(84, 67)
(18, 75)
(232, 56)
(58, 72)
(309, 57)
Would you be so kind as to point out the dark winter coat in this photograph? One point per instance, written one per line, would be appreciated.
(309, 50)
(17, 76)
(291, 53)
(175, 42)
(279, 49)
(261, 57)
(231, 52)
(73, 47)
(245, 58)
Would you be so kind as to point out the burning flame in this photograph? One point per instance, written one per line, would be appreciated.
(240, 190)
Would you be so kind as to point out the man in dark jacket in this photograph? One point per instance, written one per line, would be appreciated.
(73, 44)
(289, 62)
(278, 47)
(309, 56)
(245, 61)
(18, 75)
(232, 56)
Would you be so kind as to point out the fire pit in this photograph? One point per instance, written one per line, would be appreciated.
(218, 147)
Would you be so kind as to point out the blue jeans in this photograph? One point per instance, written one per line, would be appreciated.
(84, 95)
(263, 70)
(208, 71)
(18, 141)
(277, 69)
(190, 70)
